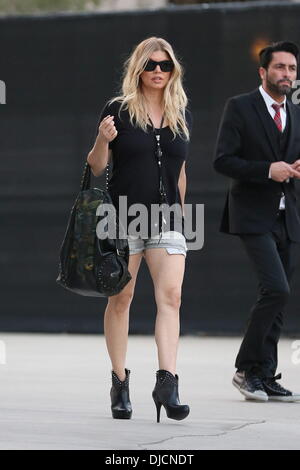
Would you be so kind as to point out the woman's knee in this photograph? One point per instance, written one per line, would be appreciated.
(120, 303)
(170, 297)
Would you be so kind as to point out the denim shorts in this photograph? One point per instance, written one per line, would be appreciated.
(173, 242)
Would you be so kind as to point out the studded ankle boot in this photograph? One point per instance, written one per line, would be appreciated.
(166, 393)
(119, 394)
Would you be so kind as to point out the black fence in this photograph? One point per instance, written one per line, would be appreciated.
(59, 70)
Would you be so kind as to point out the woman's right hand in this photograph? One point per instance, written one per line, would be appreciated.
(107, 129)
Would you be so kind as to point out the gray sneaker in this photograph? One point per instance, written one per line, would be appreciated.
(250, 385)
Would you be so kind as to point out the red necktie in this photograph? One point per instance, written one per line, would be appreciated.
(277, 117)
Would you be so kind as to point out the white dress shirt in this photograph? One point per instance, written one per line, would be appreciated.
(269, 101)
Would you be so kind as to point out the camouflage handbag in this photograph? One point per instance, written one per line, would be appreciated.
(90, 265)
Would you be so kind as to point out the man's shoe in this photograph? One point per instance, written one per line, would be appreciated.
(276, 392)
(250, 385)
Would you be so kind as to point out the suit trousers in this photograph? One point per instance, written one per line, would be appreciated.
(274, 257)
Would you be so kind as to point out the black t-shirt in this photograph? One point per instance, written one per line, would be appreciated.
(135, 171)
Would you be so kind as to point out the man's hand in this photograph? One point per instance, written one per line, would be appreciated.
(281, 171)
(296, 167)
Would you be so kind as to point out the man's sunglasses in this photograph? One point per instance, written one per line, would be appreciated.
(165, 65)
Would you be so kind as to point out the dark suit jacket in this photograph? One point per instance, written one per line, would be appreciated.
(246, 146)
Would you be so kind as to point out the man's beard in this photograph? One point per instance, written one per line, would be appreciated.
(278, 88)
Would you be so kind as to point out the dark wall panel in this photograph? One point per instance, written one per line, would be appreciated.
(59, 71)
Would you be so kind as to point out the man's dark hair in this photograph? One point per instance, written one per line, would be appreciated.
(265, 55)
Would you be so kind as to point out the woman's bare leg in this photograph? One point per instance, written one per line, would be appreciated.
(167, 273)
(116, 320)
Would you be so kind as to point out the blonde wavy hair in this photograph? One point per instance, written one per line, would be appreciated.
(132, 98)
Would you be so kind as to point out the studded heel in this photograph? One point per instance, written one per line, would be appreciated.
(119, 394)
(166, 393)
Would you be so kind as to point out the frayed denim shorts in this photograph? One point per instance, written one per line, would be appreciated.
(173, 242)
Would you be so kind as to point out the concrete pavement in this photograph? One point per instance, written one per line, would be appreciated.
(54, 394)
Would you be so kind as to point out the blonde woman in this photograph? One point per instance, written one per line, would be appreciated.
(145, 131)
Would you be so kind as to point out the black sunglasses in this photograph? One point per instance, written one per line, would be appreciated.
(165, 65)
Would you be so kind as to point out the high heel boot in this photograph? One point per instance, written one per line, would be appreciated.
(166, 393)
(119, 394)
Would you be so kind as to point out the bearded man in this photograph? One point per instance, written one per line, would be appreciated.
(258, 147)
